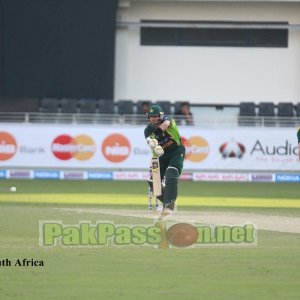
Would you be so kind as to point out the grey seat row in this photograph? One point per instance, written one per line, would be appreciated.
(102, 106)
(69, 105)
(282, 114)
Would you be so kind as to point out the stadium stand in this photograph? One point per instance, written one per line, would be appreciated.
(247, 114)
(16, 104)
(106, 111)
(298, 109)
(106, 106)
(142, 106)
(285, 109)
(88, 106)
(69, 105)
(125, 107)
(267, 110)
(285, 113)
(178, 104)
(247, 109)
(49, 105)
(165, 105)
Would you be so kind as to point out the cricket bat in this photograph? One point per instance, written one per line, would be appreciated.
(156, 175)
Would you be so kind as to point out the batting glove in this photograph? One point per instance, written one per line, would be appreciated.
(152, 143)
(159, 151)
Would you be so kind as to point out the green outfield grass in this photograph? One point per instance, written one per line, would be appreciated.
(269, 270)
(188, 188)
(191, 194)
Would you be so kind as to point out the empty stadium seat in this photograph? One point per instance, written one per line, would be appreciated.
(247, 109)
(247, 114)
(267, 110)
(106, 106)
(285, 109)
(69, 105)
(49, 105)
(298, 110)
(19, 104)
(125, 107)
(285, 114)
(87, 106)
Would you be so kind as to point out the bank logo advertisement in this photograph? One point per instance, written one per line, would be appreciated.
(8, 146)
(159, 235)
(80, 147)
(232, 149)
(196, 148)
(116, 148)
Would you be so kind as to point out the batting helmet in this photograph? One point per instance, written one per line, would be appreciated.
(155, 110)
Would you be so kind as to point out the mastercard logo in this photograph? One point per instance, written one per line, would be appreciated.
(65, 147)
(116, 148)
(196, 148)
(8, 145)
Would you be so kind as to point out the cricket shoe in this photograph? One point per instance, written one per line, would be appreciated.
(170, 205)
(165, 213)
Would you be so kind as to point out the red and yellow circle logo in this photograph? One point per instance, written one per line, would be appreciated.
(8, 145)
(81, 147)
(116, 148)
(196, 148)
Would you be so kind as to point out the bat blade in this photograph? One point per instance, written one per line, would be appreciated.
(156, 176)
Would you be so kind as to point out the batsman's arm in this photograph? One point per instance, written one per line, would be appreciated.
(162, 127)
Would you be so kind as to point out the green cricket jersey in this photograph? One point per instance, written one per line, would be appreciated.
(298, 135)
(168, 140)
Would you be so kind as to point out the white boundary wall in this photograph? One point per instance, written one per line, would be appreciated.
(82, 147)
(225, 75)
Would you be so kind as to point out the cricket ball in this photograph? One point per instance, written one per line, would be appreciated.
(13, 189)
(182, 235)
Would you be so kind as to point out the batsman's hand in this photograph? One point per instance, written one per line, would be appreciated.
(159, 151)
(152, 143)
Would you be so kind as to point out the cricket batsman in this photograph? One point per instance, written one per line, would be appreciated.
(163, 138)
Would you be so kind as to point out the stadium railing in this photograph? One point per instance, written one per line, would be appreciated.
(217, 121)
